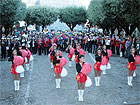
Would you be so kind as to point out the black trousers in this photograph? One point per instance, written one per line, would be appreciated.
(39, 51)
(34, 50)
(3, 54)
(107, 46)
(117, 49)
(45, 50)
(123, 50)
(113, 49)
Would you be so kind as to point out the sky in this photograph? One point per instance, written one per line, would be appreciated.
(84, 3)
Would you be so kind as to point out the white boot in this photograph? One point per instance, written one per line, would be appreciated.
(31, 65)
(56, 80)
(79, 94)
(69, 63)
(15, 83)
(18, 82)
(59, 81)
(22, 74)
(82, 93)
(128, 81)
(27, 67)
(104, 71)
(96, 81)
(134, 74)
(131, 78)
(51, 65)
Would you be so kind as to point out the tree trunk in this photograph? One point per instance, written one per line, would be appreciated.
(10, 30)
(129, 32)
(43, 26)
(6, 29)
(26, 28)
(71, 28)
(119, 31)
(0, 31)
(112, 30)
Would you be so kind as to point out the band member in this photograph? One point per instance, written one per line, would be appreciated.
(112, 43)
(57, 68)
(3, 50)
(97, 70)
(117, 46)
(123, 46)
(34, 46)
(131, 66)
(81, 78)
(13, 70)
(39, 43)
(46, 44)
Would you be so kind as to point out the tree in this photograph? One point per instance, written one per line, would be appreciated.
(40, 16)
(94, 12)
(73, 16)
(11, 12)
(130, 13)
(112, 14)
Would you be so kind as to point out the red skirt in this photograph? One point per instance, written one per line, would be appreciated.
(131, 66)
(76, 58)
(81, 78)
(28, 57)
(97, 66)
(70, 56)
(13, 69)
(57, 69)
(51, 58)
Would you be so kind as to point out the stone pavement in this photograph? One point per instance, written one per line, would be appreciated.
(38, 85)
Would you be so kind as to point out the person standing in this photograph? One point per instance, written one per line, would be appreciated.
(118, 46)
(112, 43)
(107, 43)
(57, 68)
(81, 78)
(3, 50)
(13, 70)
(131, 66)
(123, 46)
(39, 43)
(97, 70)
(128, 46)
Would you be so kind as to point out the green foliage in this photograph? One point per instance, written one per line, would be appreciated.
(12, 11)
(40, 15)
(94, 12)
(111, 14)
(73, 16)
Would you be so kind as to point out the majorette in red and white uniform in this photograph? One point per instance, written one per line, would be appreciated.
(106, 53)
(132, 61)
(58, 63)
(78, 52)
(17, 61)
(82, 70)
(71, 51)
(97, 65)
